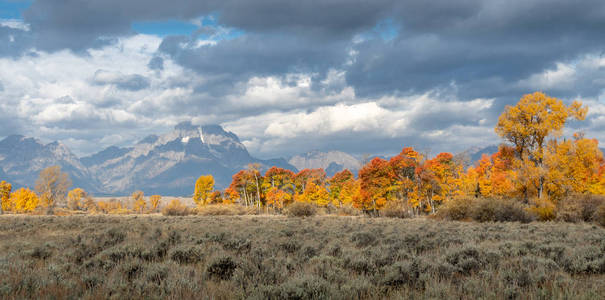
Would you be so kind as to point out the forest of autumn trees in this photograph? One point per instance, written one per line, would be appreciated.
(535, 165)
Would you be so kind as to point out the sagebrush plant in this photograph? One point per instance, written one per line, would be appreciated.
(301, 209)
(486, 210)
(579, 207)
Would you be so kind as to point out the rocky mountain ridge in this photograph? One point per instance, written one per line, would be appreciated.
(168, 164)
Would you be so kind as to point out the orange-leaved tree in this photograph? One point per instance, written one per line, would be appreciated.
(317, 176)
(377, 185)
(279, 179)
(276, 198)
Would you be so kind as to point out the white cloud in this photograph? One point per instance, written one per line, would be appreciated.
(274, 132)
(14, 24)
(562, 76)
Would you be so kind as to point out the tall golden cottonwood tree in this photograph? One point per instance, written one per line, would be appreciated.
(527, 125)
(139, 204)
(24, 200)
(51, 186)
(203, 188)
(5, 191)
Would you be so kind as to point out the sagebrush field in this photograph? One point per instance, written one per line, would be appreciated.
(269, 257)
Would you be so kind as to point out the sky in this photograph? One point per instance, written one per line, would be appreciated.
(292, 76)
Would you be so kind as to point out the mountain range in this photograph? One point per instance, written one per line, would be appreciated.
(168, 164)
(331, 161)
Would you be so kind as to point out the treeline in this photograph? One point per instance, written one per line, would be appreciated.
(534, 168)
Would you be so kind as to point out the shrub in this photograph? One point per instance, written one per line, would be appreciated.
(186, 255)
(543, 209)
(221, 268)
(305, 287)
(300, 287)
(157, 273)
(500, 210)
(457, 209)
(238, 244)
(470, 259)
(176, 208)
(577, 208)
(347, 210)
(41, 252)
(363, 239)
(528, 271)
(395, 210)
(301, 209)
(131, 270)
(599, 216)
(290, 246)
(406, 273)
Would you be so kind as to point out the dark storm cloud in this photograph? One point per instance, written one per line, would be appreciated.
(509, 42)
(440, 42)
(232, 61)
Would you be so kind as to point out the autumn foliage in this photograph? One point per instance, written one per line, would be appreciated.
(536, 170)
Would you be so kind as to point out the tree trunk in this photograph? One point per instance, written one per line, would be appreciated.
(257, 189)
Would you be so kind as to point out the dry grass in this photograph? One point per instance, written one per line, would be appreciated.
(176, 208)
(226, 210)
(260, 257)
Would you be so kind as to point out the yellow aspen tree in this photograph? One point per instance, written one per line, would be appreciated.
(154, 202)
(24, 200)
(203, 187)
(139, 204)
(527, 125)
(75, 197)
(349, 192)
(315, 194)
(5, 191)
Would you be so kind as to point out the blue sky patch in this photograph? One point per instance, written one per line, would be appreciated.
(13, 9)
(164, 28)
(386, 29)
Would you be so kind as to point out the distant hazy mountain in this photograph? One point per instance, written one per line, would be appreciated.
(475, 153)
(105, 155)
(22, 159)
(168, 164)
(332, 161)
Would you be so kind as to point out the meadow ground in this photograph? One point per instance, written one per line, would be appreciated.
(276, 257)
